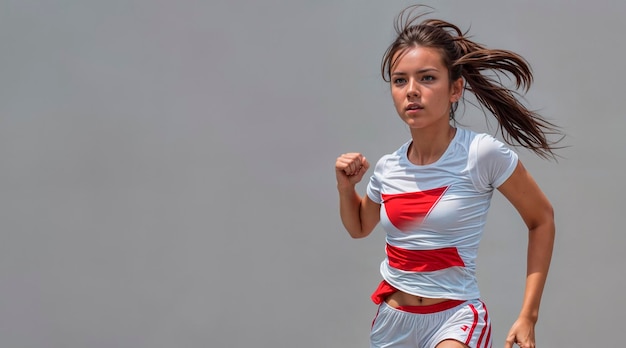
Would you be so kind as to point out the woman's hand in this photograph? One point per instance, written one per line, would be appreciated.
(522, 333)
(350, 168)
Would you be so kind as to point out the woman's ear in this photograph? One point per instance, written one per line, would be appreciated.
(457, 90)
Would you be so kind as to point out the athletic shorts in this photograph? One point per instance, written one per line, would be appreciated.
(426, 326)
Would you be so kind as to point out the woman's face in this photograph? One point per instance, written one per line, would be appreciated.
(421, 89)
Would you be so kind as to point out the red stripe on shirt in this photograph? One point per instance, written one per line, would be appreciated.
(423, 260)
(410, 208)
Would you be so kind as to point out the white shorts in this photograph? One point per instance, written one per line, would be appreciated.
(467, 322)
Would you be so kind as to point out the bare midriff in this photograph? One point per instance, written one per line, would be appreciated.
(399, 299)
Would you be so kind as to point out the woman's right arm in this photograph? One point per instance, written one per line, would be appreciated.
(358, 214)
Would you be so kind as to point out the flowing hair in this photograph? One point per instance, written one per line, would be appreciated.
(471, 61)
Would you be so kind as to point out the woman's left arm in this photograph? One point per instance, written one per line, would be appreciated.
(536, 211)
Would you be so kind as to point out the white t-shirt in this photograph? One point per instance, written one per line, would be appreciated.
(434, 214)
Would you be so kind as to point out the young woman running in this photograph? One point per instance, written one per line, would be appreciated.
(431, 195)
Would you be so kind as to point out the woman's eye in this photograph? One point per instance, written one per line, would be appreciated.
(399, 81)
(428, 78)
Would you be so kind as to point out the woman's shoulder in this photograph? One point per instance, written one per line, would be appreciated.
(393, 158)
(487, 151)
(398, 153)
(486, 145)
(490, 161)
(470, 136)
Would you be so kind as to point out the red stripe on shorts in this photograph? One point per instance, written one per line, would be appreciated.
(471, 333)
(423, 260)
(487, 327)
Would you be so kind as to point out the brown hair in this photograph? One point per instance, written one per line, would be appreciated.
(468, 59)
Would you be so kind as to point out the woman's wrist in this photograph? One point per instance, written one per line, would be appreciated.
(346, 189)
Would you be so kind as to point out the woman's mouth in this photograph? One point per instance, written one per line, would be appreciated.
(414, 107)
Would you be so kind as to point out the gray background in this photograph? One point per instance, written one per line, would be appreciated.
(167, 169)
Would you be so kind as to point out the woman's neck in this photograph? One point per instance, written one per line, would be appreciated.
(428, 146)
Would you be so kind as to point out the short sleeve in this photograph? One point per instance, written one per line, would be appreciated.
(492, 162)
(374, 185)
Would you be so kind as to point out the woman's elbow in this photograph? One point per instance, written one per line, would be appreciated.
(544, 220)
(359, 234)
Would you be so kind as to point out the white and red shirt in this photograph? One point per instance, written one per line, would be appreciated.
(434, 214)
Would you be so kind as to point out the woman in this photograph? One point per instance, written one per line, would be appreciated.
(432, 195)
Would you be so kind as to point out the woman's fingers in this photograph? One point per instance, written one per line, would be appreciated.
(350, 163)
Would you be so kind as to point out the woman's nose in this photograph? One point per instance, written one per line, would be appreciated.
(412, 89)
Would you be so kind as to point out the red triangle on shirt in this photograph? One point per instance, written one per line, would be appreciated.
(405, 210)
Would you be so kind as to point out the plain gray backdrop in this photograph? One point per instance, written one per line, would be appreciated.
(167, 169)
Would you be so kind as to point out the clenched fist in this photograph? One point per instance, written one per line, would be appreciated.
(350, 168)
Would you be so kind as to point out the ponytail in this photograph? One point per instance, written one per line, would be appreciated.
(517, 123)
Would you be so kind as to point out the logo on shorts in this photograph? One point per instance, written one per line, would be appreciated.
(464, 327)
